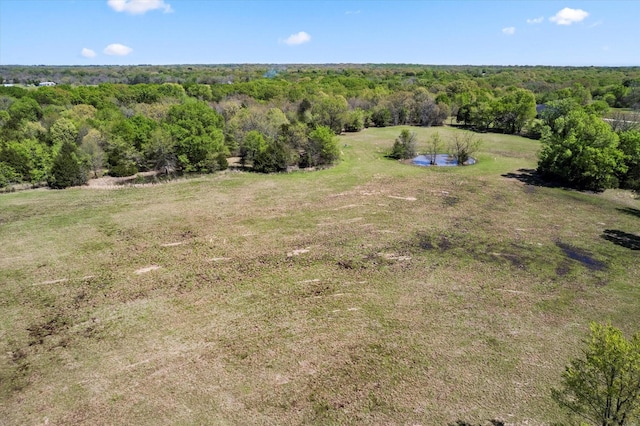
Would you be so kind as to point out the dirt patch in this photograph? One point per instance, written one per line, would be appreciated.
(297, 252)
(445, 243)
(171, 244)
(218, 259)
(450, 201)
(429, 242)
(147, 269)
(51, 327)
(563, 268)
(394, 256)
(61, 280)
(138, 180)
(403, 198)
(585, 257)
(516, 261)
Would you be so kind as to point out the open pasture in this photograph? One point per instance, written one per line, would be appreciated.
(370, 293)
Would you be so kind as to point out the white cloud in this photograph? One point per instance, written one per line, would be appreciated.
(88, 53)
(117, 49)
(509, 30)
(138, 7)
(537, 20)
(568, 16)
(298, 38)
(352, 12)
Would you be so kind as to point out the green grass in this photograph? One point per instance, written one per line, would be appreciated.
(371, 292)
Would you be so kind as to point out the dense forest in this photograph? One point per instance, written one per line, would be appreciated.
(191, 118)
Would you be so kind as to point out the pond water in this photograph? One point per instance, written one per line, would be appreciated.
(441, 160)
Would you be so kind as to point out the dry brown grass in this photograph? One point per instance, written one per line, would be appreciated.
(373, 292)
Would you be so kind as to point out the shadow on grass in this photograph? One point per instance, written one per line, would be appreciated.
(630, 211)
(532, 177)
(624, 239)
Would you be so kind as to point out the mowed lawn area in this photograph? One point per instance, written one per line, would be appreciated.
(373, 292)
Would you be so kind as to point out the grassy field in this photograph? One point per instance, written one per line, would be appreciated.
(370, 293)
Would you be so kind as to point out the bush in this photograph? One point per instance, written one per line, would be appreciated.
(275, 158)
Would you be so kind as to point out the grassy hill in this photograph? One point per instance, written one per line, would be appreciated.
(372, 292)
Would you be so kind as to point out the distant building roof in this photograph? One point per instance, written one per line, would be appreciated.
(47, 83)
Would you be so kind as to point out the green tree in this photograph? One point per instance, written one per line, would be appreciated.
(8, 175)
(122, 158)
(404, 146)
(630, 146)
(63, 130)
(582, 152)
(331, 111)
(324, 144)
(513, 110)
(67, 169)
(380, 116)
(355, 120)
(24, 109)
(29, 159)
(275, 158)
(160, 152)
(197, 131)
(252, 145)
(92, 148)
(603, 386)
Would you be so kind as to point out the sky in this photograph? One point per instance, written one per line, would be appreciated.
(471, 32)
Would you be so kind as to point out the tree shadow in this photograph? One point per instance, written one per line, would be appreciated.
(630, 211)
(624, 239)
(532, 177)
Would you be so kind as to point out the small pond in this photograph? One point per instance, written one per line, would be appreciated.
(441, 160)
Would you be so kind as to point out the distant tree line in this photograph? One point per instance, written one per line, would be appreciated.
(274, 119)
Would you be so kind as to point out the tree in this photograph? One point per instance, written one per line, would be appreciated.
(24, 109)
(324, 144)
(630, 146)
(63, 130)
(381, 117)
(29, 159)
(91, 148)
(404, 146)
(252, 145)
(159, 152)
(331, 111)
(582, 151)
(463, 146)
(434, 146)
(67, 169)
(355, 121)
(275, 158)
(122, 158)
(425, 111)
(196, 129)
(513, 110)
(8, 175)
(603, 387)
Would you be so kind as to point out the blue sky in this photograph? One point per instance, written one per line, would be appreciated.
(474, 32)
